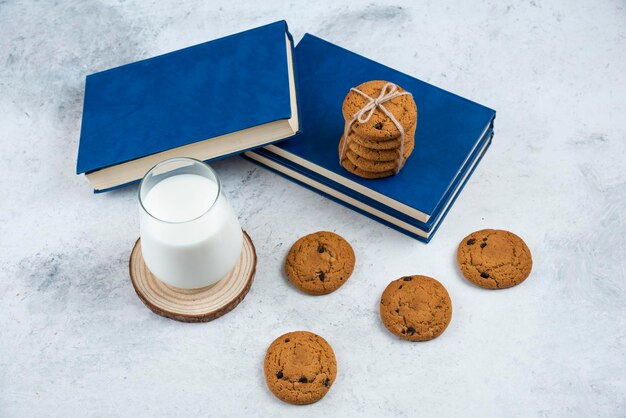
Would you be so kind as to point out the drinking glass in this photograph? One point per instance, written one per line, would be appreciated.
(190, 235)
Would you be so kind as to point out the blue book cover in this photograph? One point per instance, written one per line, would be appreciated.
(450, 130)
(206, 101)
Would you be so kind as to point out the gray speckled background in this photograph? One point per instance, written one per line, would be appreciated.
(76, 341)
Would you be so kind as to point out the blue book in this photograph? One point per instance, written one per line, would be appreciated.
(207, 101)
(452, 134)
(372, 207)
(411, 229)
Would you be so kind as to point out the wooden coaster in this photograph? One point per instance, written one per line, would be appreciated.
(194, 305)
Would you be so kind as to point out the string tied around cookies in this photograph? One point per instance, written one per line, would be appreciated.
(387, 93)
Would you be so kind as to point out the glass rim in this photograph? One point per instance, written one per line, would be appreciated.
(171, 160)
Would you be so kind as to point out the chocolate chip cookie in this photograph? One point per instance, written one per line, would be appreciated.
(416, 308)
(300, 367)
(320, 263)
(494, 259)
(380, 126)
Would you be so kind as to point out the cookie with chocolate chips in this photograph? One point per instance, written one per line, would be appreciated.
(300, 367)
(416, 308)
(494, 259)
(379, 126)
(320, 263)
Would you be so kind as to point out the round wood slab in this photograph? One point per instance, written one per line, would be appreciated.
(194, 305)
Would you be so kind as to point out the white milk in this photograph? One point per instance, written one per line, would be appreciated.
(187, 246)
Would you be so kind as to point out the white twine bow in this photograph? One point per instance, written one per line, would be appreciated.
(388, 92)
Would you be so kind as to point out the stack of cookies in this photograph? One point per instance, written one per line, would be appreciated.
(373, 145)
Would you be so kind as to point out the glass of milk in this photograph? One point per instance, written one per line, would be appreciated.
(190, 236)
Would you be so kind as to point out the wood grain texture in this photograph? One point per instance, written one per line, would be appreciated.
(194, 305)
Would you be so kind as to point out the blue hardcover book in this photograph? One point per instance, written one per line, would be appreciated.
(370, 206)
(371, 212)
(207, 101)
(450, 132)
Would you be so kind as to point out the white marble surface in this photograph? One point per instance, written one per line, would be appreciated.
(76, 341)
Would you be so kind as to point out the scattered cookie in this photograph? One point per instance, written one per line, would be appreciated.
(320, 263)
(416, 308)
(300, 367)
(494, 259)
(380, 126)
